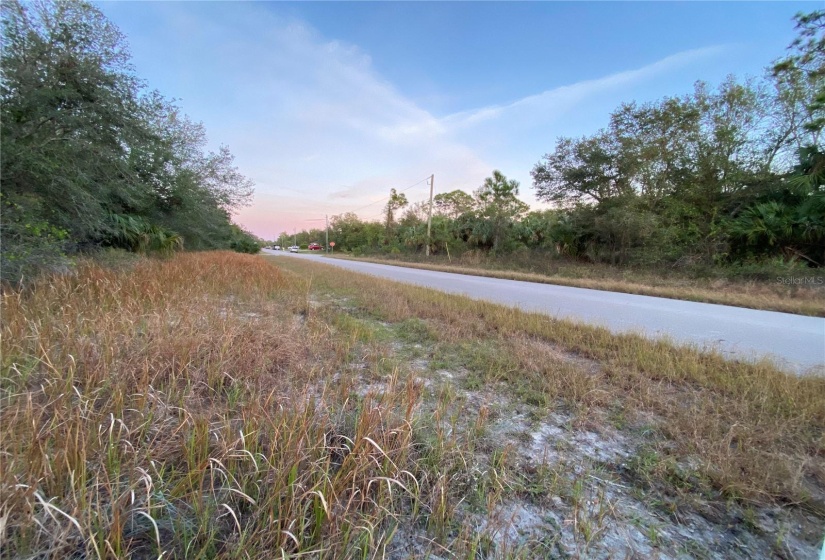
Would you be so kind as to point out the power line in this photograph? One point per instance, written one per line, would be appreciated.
(388, 197)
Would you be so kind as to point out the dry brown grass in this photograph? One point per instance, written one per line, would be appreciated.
(180, 408)
(751, 431)
(767, 295)
(215, 406)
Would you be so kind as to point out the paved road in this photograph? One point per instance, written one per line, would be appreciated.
(797, 343)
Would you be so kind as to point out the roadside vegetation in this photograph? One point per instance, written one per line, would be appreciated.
(726, 183)
(213, 405)
(804, 295)
(92, 158)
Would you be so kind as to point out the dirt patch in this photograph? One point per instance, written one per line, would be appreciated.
(558, 482)
(568, 498)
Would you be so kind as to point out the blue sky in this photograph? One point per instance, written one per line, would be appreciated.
(326, 106)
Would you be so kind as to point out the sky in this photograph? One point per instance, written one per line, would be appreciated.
(328, 105)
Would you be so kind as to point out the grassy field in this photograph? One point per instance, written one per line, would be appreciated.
(216, 405)
(771, 294)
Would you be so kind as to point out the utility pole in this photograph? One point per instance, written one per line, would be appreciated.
(326, 217)
(430, 213)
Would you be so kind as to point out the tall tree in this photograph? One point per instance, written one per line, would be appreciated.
(580, 170)
(69, 115)
(88, 157)
(498, 204)
(804, 67)
(454, 203)
(396, 202)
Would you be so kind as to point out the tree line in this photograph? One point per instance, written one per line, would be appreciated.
(91, 157)
(725, 175)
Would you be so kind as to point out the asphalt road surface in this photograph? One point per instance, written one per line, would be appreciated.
(795, 342)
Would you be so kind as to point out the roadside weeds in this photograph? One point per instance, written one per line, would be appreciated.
(216, 406)
(801, 300)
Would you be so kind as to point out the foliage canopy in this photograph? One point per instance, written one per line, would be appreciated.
(90, 157)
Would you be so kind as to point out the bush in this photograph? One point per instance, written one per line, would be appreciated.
(30, 245)
(244, 242)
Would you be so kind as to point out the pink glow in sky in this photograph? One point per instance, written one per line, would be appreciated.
(326, 106)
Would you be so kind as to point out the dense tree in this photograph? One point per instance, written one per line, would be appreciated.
(685, 178)
(194, 191)
(580, 170)
(89, 157)
(353, 235)
(453, 204)
(789, 218)
(730, 175)
(69, 115)
(804, 69)
(498, 207)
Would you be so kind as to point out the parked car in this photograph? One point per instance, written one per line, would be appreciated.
(314, 247)
(293, 249)
(276, 247)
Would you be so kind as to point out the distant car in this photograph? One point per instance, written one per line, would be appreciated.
(276, 247)
(293, 249)
(314, 247)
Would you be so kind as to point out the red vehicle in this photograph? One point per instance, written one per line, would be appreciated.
(314, 247)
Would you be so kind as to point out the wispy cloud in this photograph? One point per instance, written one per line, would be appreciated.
(553, 101)
(322, 132)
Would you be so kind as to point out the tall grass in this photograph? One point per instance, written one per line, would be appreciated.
(181, 410)
(215, 406)
(749, 431)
